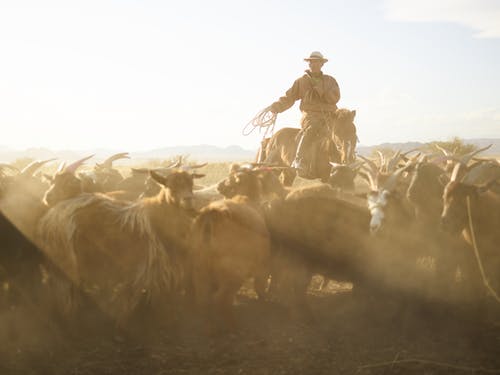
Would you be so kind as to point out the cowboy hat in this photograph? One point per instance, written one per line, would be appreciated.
(316, 55)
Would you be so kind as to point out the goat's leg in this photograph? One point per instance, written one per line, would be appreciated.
(223, 306)
(261, 280)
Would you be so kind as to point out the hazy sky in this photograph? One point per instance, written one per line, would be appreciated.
(137, 75)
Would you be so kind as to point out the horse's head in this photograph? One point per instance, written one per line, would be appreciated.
(344, 133)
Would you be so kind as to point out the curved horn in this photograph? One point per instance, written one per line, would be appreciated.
(393, 161)
(356, 164)
(467, 157)
(410, 151)
(382, 159)
(392, 180)
(373, 167)
(422, 158)
(456, 171)
(108, 163)
(195, 166)
(34, 166)
(443, 150)
(368, 176)
(61, 167)
(371, 172)
(175, 164)
(74, 166)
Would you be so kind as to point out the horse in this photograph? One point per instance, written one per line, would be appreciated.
(335, 143)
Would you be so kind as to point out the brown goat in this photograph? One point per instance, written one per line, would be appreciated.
(425, 192)
(230, 239)
(122, 253)
(315, 232)
(485, 215)
(230, 244)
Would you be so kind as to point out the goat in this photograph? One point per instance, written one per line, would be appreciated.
(484, 210)
(231, 242)
(125, 252)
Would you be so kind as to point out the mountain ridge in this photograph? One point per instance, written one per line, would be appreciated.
(209, 153)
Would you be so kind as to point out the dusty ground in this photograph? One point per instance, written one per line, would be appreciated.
(350, 335)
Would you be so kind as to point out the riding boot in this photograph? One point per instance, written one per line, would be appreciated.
(298, 161)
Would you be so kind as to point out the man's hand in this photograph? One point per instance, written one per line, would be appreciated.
(270, 109)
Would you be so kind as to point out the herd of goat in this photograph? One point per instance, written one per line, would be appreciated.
(155, 237)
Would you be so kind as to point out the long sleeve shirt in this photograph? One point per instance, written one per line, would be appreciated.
(318, 93)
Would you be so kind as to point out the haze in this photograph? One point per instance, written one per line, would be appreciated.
(141, 75)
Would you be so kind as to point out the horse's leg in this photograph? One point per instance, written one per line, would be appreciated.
(344, 151)
(335, 155)
(348, 151)
(273, 157)
(352, 149)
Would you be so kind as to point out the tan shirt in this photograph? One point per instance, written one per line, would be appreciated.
(317, 94)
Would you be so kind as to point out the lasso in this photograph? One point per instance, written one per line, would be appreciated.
(264, 121)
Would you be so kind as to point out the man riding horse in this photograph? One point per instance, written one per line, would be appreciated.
(319, 94)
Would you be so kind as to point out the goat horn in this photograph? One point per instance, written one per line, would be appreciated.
(34, 166)
(371, 164)
(175, 164)
(467, 157)
(368, 176)
(74, 166)
(455, 172)
(382, 159)
(108, 163)
(393, 161)
(410, 151)
(61, 167)
(443, 150)
(195, 166)
(391, 182)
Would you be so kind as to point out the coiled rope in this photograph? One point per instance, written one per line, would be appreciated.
(264, 121)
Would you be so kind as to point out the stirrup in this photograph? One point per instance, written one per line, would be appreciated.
(297, 163)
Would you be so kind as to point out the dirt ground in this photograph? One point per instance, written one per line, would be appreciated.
(349, 335)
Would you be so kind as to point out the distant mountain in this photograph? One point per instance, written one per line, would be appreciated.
(494, 150)
(202, 153)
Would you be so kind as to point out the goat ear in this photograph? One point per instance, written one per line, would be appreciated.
(353, 112)
(158, 178)
(197, 175)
